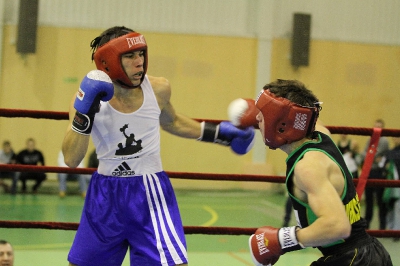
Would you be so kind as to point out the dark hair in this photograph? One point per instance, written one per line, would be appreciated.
(293, 90)
(6, 142)
(108, 35)
(380, 121)
(4, 242)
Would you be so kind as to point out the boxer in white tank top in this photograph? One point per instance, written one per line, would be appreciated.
(132, 139)
(130, 202)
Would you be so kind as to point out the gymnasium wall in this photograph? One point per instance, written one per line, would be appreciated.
(356, 82)
(206, 74)
(211, 51)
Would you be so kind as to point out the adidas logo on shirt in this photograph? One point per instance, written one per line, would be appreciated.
(123, 170)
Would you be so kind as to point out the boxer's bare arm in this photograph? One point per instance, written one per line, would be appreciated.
(171, 121)
(75, 145)
(317, 178)
(178, 124)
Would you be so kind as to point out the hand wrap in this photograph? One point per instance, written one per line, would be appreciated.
(96, 86)
(82, 123)
(240, 140)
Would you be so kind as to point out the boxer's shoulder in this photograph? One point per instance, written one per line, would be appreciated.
(161, 87)
(159, 82)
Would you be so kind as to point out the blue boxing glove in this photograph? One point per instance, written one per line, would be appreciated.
(96, 86)
(225, 133)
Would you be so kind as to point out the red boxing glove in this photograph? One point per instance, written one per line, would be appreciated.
(269, 243)
(242, 113)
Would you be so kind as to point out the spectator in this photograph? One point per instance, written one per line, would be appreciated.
(350, 152)
(93, 161)
(6, 253)
(288, 212)
(7, 156)
(377, 172)
(31, 156)
(391, 195)
(63, 177)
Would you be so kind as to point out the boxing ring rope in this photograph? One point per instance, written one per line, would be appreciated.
(209, 230)
(20, 113)
(180, 175)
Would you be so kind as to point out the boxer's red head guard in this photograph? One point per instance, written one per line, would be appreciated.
(285, 121)
(107, 56)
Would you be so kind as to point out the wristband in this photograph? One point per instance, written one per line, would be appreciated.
(208, 132)
(82, 123)
(288, 239)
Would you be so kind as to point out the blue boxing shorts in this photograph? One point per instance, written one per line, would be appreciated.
(139, 212)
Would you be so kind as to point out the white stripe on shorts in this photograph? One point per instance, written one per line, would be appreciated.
(154, 220)
(157, 217)
(168, 216)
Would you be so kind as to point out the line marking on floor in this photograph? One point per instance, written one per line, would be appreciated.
(213, 213)
(240, 259)
(42, 246)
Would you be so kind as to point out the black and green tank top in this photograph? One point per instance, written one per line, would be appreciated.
(304, 215)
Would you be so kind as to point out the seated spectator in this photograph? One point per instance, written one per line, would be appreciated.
(31, 156)
(63, 177)
(93, 161)
(391, 195)
(350, 152)
(6, 253)
(7, 156)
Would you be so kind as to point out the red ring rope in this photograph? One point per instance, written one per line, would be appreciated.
(64, 116)
(224, 177)
(180, 175)
(213, 230)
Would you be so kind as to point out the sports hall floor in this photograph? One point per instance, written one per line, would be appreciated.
(238, 208)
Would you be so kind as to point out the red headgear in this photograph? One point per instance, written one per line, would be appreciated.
(285, 121)
(108, 57)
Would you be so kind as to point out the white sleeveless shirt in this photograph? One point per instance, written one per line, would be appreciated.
(129, 144)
